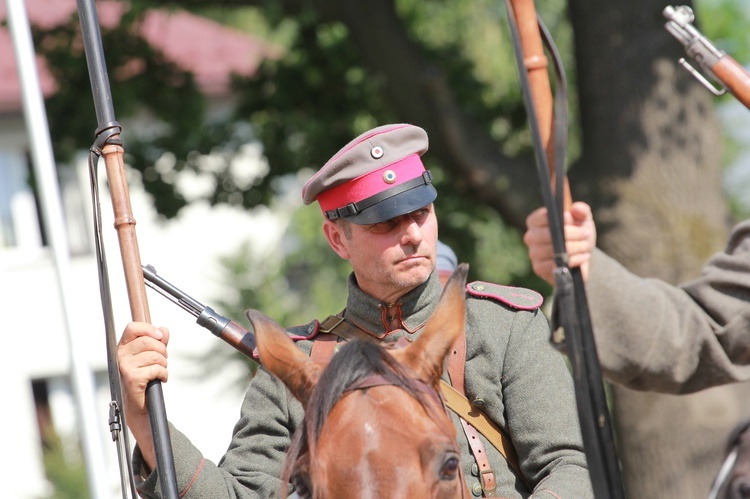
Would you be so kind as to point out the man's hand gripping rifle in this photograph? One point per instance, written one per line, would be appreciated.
(725, 70)
(228, 330)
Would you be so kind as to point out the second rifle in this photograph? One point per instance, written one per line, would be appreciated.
(724, 69)
(229, 331)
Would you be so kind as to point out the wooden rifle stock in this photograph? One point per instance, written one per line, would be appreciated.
(723, 68)
(734, 77)
(536, 64)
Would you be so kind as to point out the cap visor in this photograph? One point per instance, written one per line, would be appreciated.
(395, 206)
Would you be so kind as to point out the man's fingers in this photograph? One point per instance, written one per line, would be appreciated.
(578, 259)
(537, 218)
(145, 367)
(537, 236)
(581, 212)
(544, 269)
(136, 330)
(578, 247)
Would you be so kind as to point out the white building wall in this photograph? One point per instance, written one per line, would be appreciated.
(185, 251)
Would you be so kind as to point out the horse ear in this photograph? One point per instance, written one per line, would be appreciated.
(282, 358)
(448, 323)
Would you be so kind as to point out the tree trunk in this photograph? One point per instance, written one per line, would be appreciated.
(651, 169)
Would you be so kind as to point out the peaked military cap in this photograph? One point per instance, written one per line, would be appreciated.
(375, 177)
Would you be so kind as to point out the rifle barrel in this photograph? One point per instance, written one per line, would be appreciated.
(228, 330)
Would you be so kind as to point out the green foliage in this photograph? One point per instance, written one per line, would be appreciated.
(725, 22)
(67, 475)
(302, 107)
(319, 95)
(143, 83)
(470, 41)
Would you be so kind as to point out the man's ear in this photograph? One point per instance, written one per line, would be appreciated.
(336, 238)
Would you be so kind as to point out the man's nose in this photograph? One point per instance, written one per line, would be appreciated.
(412, 231)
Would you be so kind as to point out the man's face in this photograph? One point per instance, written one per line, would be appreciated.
(389, 258)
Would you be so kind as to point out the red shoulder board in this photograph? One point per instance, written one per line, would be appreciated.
(519, 298)
(304, 332)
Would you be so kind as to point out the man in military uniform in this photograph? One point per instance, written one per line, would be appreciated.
(377, 200)
(682, 338)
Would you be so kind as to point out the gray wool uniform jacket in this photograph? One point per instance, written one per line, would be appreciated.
(524, 383)
(674, 339)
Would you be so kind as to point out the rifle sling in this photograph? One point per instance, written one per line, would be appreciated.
(459, 404)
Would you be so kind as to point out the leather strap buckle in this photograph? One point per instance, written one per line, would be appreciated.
(489, 484)
(331, 323)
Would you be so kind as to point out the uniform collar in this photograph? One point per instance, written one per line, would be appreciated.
(414, 308)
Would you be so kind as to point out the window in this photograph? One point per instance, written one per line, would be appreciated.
(21, 214)
(20, 225)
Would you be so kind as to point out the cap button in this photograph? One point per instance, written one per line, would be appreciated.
(376, 152)
(389, 176)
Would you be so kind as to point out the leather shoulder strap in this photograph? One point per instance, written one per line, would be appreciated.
(456, 365)
(323, 347)
(330, 330)
(459, 404)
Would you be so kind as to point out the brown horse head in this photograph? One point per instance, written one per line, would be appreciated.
(375, 425)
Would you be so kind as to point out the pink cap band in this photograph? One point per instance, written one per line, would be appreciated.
(371, 183)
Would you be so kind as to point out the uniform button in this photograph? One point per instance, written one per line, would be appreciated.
(478, 403)
(475, 469)
(476, 489)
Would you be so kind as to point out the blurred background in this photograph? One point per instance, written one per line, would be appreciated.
(228, 107)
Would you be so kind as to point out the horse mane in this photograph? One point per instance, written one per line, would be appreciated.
(355, 360)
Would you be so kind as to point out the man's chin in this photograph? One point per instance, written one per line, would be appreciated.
(415, 272)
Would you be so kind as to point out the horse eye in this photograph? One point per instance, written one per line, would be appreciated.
(449, 471)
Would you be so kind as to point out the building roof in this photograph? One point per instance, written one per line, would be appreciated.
(211, 51)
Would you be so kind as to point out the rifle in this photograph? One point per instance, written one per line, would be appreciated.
(575, 335)
(727, 72)
(223, 328)
(109, 145)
